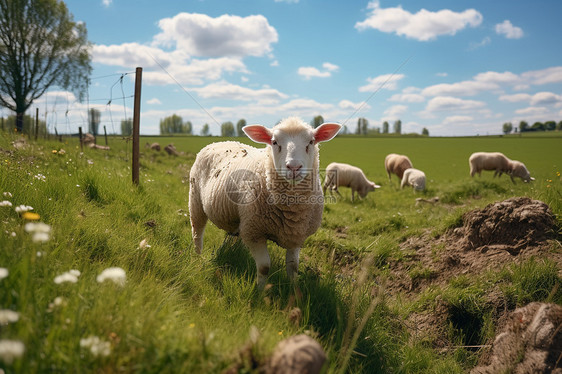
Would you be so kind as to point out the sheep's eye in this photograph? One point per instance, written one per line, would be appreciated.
(311, 142)
(274, 142)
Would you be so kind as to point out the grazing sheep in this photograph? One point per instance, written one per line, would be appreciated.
(415, 178)
(488, 161)
(269, 193)
(518, 169)
(345, 175)
(171, 150)
(396, 164)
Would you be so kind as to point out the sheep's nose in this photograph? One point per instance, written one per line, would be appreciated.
(294, 167)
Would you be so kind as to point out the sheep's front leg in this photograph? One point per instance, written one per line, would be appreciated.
(261, 256)
(292, 263)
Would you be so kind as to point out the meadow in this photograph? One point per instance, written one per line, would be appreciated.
(177, 312)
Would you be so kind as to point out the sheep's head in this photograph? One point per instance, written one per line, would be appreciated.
(293, 145)
(518, 169)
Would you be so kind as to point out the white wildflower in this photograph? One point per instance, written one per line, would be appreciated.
(115, 274)
(5, 203)
(7, 194)
(57, 302)
(62, 151)
(144, 244)
(70, 276)
(10, 350)
(97, 346)
(41, 177)
(3, 273)
(23, 208)
(39, 231)
(8, 316)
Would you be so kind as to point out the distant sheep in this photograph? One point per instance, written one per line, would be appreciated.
(518, 169)
(396, 164)
(415, 178)
(488, 161)
(171, 150)
(269, 193)
(345, 175)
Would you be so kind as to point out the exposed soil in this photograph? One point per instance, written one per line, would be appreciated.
(501, 234)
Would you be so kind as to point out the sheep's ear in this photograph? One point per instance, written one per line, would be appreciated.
(258, 133)
(326, 131)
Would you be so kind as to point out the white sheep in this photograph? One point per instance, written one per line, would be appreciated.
(518, 169)
(396, 164)
(497, 161)
(345, 175)
(269, 193)
(415, 178)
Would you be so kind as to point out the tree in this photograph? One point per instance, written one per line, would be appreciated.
(127, 127)
(537, 126)
(317, 121)
(385, 127)
(40, 46)
(398, 127)
(94, 116)
(362, 125)
(507, 127)
(171, 125)
(205, 130)
(227, 129)
(241, 123)
(28, 124)
(559, 126)
(523, 126)
(425, 132)
(550, 125)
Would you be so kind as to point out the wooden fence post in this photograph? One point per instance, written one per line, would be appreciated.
(136, 125)
(105, 133)
(36, 123)
(81, 140)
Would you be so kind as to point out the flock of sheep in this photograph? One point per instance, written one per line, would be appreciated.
(275, 193)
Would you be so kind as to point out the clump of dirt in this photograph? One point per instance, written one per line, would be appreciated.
(512, 225)
(503, 233)
(531, 342)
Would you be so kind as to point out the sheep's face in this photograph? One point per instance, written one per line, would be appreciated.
(520, 170)
(293, 145)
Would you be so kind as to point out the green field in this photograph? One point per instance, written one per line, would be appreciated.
(183, 313)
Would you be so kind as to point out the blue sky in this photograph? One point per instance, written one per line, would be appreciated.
(454, 67)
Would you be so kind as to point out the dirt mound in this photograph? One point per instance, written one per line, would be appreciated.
(512, 225)
(531, 342)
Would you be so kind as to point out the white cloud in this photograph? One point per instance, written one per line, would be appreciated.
(448, 103)
(387, 81)
(106, 3)
(423, 25)
(179, 67)
(531, 111)
(227, 35)
(515, 98)
(545, 98)
(484, 42)
(395, 111)
(407, 98)
(455, 120)
(227, 91)
(465, 88)
(154, 101)
(544, 76)
(351, 106)
(495, 77)
(309, 72)
(441, 74)
(508, 30)
(287, 1)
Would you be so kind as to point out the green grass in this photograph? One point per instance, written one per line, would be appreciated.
(179, 312)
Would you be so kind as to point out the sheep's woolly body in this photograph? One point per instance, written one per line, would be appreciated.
(267, 213)
(415, 178)
(396, 164)
(345, 175)
(488, 161)
(273, 193)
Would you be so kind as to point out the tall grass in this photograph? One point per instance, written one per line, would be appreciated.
(180, 312)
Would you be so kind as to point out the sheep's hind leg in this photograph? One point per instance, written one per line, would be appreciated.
(292, 263)
(198, 220)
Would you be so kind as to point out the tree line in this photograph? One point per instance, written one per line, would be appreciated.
(508, 127)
